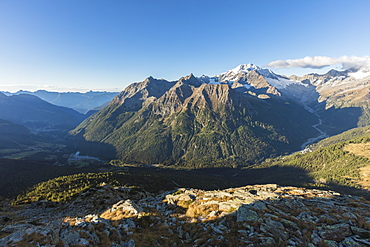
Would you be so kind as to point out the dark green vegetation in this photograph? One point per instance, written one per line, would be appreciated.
(328, 167)
(336, 120)
(17, 175)
(345, 136)
(14, 136)
(35, 158)
(64, 188)
(194, 125)
(358, 99)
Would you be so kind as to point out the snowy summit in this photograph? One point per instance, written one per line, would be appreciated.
(240, 74)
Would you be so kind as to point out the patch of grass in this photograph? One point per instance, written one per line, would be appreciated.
(7, 151)
(22, 155)
(197, 210)
(338, 166)
(360, 149)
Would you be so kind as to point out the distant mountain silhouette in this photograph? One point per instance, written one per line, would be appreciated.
(37, 114)
(81, 102)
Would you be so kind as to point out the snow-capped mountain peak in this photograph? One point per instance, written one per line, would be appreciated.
(241, 74)
(243, 68)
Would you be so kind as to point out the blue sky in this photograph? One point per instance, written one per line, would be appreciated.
(75, 45)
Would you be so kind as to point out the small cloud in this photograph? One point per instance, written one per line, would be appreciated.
(319, 62)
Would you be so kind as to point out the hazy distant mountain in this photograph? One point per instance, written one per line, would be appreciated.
(37, 114)
(81, 102)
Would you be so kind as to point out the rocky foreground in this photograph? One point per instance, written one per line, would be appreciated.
(259, 215)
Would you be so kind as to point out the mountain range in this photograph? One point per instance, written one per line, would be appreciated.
(238, 117)
(81, 102)
(36, 114)
(247, 118)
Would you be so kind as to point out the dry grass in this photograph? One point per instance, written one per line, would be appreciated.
(365, 177)
(196, 210)
(70, 220)
(115, 215)
(361, 149)
(184, 204)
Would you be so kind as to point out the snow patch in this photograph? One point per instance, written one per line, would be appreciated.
(273, 79)
(360, 74)
(232, 74)
(243, 68)
(281, 83)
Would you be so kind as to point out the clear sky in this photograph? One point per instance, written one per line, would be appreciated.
(74, 45)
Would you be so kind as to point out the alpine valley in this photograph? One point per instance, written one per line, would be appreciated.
(201, 161)
(237, 118)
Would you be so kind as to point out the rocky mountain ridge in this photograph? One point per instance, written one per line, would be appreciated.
(254, 215)
(182, 119)
(192, 122)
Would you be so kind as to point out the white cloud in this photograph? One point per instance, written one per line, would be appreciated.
(319, 62)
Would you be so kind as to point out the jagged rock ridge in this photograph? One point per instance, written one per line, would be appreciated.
(258, 215)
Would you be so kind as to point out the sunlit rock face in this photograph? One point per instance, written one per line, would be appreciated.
(253, 215)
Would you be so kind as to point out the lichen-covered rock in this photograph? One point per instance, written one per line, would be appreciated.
(336, 232)
(350, 242)
(246, 214)
(258, 215)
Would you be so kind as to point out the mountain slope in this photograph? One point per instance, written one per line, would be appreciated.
(344, 98)
(37, 114)
(14, 136)
(243, 115)
(342, 165)
(196, 124)
(345, 136)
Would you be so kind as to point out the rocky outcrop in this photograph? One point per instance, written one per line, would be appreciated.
(136, 94)
(258, 215)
